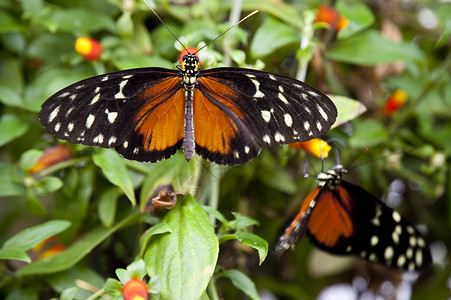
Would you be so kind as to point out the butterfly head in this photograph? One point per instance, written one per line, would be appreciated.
(189, 66)
(332, 177)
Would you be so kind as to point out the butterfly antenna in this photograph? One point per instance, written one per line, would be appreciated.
(155, 13)
(243, 19)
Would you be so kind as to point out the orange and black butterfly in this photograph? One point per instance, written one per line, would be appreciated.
(225, 114)
(342, 218)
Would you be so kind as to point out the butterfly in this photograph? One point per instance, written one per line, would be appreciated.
(342, 218)
(225, 115)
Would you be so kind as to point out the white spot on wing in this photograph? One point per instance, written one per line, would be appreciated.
(97, 90)
(112, 140)
(90, 120)
(54, 113)
(271, 76)
(319, 126)
(127, 76)
(279, 137)
(266, 115)
(65, 94)
(57, 127)
(374, 240)
(288, 120)
(111, 115)
(69, 111)
(95, 99)
(73, 96)
(282, 97)
(267, 139)
(247, 149)
(70, 126)
(105, 78)
(98, 139)
(136, 150)
(258, 93)
(396, 216)
(313, 93)
(120, 94)
(322, 112)
(125, 144)
(388, 254)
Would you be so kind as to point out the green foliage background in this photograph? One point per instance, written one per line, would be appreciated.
(87, 201)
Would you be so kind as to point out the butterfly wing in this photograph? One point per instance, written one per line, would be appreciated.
(246, 109)
(140, 112)
(349, 220)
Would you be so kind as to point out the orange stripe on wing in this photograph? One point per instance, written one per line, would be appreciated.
(330, 219)
(161, 120)
(213, 129)
(222, 93)
(293, 228)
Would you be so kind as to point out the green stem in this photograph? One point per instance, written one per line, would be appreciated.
(234, 18)
(212, 291)
(62, 165)
(305, 47)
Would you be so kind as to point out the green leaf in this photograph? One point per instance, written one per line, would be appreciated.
(32, 236)
(107, 206)
(81, 19)
(370, 48)
(242, 282)
(255, 242)
(444, 12)
(76, 252)
(136, 61)
(69, 293)
(29, 158)
(368, 133)
(47, 185)
(9, 97)
(359, 17)
(115, 171)
(184, 259)
(11, 127)
(271, 36)
(123, 275)
(216, 213)
(348, 109)
(34, 204)
(14, 253)
(113, 288)
(8, 23)
(278, 179)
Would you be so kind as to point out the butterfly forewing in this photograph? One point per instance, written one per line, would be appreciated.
(277, 109)
(379, 233)
(107, 111)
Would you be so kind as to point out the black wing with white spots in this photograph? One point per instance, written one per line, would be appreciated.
(278, 109)
(380, 234)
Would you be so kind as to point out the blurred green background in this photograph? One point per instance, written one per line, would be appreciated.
(386, 46)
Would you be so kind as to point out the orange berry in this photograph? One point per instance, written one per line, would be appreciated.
(88, 48)
(330, 16)
(395, 101)
(317, 147)
(135, 289)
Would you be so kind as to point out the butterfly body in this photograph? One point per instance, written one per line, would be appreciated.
(342, 218)
(225, 114)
